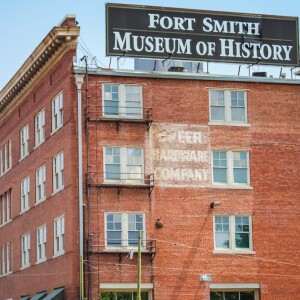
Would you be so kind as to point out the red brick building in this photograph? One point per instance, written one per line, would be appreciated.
(206, 166)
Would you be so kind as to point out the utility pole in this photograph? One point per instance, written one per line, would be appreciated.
(138, 297)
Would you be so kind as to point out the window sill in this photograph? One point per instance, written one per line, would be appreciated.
(233, 187)
(6, 223)
(41, 261)
(124, 182)
(24, 210)
(215, 123)
(248, 251)
(39, 201)
(24, 267)
(58, 190)
(2, 174)
(124, 250)
(54, 131)
(3, 275)
(57, 254)
(23, 157)
(36, 146)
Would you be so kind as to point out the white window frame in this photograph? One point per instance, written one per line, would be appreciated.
(122, 102)
(39, 128)
(59, 236)
(25, 250)
(40, 179)
(24, 141)
(5, 208)
(125, 176)
(41, 240)
(236, 287)
(230, 170)
(57, 112)
(227, 107)
(6, 259)
(232, 245)
(58, 172)
(127, 287)
(124, 231)
(25, 193)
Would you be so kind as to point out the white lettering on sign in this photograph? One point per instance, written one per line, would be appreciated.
(248, 28)
(230, 48)
(140, 43)
(180, 154)
(166, 22)
(182, 174)
(183, 137)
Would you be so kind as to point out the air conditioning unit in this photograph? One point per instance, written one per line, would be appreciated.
(259, 74)
(177, 69)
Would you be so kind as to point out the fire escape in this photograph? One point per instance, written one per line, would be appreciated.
(98, 181)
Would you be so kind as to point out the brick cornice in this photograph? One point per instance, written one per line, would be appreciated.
(57, 40)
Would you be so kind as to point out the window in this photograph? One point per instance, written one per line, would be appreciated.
(231, 167)
(122, 229)
(124, 101)
(40, 128)
(125, 291)
(227, 106)
(123, 295)
(233, 232)
(58, 172)
(6, 259)
(124, 164)
(25, 244)
(24, 140)
(25, 190)
(57, 112)
(5, 207)
(232, 295)
(59, 236)
(234, 291)
(41, 184)
(41, 243)
(5, 158)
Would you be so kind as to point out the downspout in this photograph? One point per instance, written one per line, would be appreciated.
(79, 79)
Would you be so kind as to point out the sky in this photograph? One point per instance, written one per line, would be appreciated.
(24, 24)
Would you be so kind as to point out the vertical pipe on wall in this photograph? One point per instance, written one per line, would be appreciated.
(79, 79)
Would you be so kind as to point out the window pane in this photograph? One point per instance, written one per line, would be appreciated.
(124, 295)
(216, 295)
(231, 295)
(217, 113)
(111, 107)
(247, 295)
(238, 114)
(112, 172)
(108, 296)
(242, 240)
(222, 239)
(240, 175)
(133, 101)
(133, 238)
(114, 238)
(220, 175)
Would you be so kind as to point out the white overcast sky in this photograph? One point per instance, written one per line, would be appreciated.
(24, 23)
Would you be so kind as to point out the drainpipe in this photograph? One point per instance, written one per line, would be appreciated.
(79, 81)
